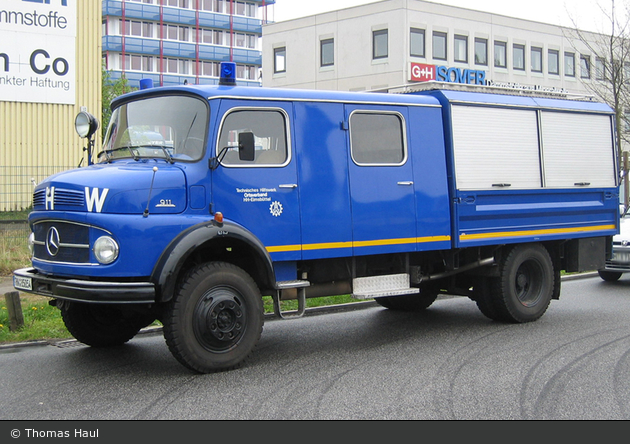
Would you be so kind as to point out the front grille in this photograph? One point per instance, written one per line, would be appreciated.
(63, 199)
(64, 242)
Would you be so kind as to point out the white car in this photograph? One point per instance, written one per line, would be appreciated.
(620, 261)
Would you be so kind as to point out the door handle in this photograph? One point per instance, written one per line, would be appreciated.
(288, 185)
(406, 184)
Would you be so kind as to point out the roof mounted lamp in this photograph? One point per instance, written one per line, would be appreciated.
(86, 125)
(228, 74)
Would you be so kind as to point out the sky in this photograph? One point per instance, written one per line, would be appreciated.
(587, 13)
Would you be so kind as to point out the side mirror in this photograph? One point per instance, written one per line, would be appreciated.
(246, 150)
(85, 124)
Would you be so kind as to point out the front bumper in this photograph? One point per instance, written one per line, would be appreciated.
(28, 280)
(620, 261)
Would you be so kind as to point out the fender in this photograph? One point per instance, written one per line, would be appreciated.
(174, 256)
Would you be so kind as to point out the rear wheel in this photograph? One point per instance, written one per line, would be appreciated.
(101, 325)
(609, 276)
(485, 299)
(525, 286)
(216, 318)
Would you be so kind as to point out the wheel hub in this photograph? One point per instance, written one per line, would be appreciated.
(219, 319)
(527, 283)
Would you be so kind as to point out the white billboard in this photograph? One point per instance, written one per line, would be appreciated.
(38, 51)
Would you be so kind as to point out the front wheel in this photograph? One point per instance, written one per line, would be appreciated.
(216, 318)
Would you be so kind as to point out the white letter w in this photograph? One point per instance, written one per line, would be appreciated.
(94, 198)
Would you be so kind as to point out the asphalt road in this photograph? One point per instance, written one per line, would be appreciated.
(449, 363)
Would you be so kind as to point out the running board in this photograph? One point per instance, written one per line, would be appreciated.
(380, 286)
(301, 298)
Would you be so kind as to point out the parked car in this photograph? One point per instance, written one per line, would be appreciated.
(620, 261)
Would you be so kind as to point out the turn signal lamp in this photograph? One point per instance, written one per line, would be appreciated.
(218, 217)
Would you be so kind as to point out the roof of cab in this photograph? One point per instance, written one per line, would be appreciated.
(256, 93)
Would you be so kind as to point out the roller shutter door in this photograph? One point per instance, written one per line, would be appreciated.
(495, 148)
(577, 150)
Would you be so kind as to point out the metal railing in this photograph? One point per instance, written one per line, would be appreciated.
(16, 186)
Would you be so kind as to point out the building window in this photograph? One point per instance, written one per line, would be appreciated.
(600, 68)
(416, 40)
(240, 40)
(327, 52)
(147, 63)
(518, 57)
(537, 59)
(481, 52)
(218, 37)
(206, 36)
(379, 44)
(439, 45)
(461, 48)
(569, 64)
(500, 54)
(172, 66)
(553, 61)
(280, 60)
(585, 67)
(184, 34)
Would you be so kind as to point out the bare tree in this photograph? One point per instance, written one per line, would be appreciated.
(611, 83)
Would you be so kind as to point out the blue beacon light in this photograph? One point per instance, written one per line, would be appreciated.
(228, 74)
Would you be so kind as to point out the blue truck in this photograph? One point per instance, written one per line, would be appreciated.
(204, 199)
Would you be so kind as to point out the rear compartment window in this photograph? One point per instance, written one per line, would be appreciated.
(377, 138)
(269, 127)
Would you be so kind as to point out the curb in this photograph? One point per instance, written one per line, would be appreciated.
(268, 317)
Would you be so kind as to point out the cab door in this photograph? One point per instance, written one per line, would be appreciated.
(260, 194)
(381, 180)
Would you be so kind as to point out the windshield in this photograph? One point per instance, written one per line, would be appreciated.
(170, 127)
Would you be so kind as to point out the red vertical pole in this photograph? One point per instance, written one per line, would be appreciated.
(123, 42)
(161, 42)
(197, 46)
(264, 13)
(231, 30)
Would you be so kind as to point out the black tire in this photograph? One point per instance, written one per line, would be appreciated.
(215, 319)
(484, 298)
(409, 302)
(523, 291)
(609, 276)
(100, 325)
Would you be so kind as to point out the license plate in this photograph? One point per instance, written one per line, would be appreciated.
(22, 283)
(622, 257)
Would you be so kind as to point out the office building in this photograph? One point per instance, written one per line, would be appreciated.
(183, 41)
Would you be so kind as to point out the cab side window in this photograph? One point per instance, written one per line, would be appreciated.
(269, 127)
(377, 138)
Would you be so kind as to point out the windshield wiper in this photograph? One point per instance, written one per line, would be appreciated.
(133, 154)
(168, 156)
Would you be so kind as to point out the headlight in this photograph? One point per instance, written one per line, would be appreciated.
(105, 250)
